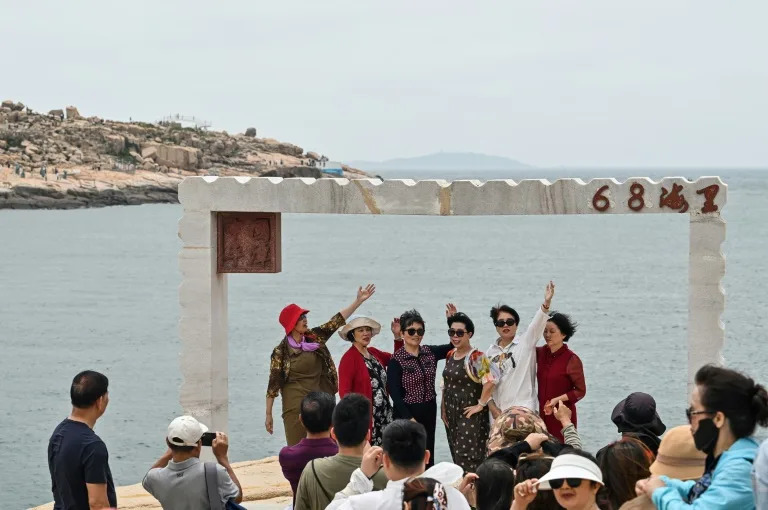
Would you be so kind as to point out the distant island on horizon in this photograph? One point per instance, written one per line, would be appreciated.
(443, 161)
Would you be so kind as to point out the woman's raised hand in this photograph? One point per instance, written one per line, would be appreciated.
(364, 293)
(450, 309)
(549, 293)
(467, 487)
(525, 493)
(395, 328)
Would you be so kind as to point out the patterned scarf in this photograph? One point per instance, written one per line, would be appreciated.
(703, 483)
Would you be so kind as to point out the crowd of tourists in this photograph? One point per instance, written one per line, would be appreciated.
(509, 414)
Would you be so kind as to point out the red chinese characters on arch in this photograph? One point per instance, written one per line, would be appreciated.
(710, 192)
(672, 199)
(248, 242)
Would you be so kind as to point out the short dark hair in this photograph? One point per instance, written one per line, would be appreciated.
(179, 449)
(316, 411)
(738, 397)
(405, 442)
(495, 485)
(564, 323)
(87, 387)
(504, 308)
(352, 419)
(410, 317)
(463, 319)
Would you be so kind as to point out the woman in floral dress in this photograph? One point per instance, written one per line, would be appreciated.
(362, 370)
(468, 382)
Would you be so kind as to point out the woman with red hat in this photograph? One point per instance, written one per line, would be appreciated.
(301, 363)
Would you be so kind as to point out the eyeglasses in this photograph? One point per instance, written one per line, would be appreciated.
(690, 413)
(502, 323)
(303, 317)
(457, 332)
(558, 482)
(414, 331)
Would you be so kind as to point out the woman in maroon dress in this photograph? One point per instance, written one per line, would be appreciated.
(559, 372)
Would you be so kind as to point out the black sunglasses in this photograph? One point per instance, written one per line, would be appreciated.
(558, 482)
(690, 413)
(303, 317)
(414, 331)
(502, 323)
(457, 332)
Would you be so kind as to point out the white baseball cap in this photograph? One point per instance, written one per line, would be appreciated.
(571, 466)
(185, 431)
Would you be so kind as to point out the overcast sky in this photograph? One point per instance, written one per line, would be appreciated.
(581, 83)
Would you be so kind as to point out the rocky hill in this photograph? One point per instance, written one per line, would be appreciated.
(61, 159)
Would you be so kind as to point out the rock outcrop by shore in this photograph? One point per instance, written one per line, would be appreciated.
(262, 481)
(62, 160)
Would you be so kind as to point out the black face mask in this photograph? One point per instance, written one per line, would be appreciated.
(705, 437)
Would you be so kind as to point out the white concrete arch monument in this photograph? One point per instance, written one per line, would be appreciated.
(232, 224)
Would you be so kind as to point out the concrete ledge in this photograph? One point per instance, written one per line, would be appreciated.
(263, 487)
(439, 197)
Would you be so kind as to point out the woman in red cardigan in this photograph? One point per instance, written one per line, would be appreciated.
(363, 370)
(559, 372)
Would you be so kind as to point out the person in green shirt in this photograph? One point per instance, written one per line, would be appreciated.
(323, 478)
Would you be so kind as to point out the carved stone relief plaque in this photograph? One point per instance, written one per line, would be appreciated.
(248, 242)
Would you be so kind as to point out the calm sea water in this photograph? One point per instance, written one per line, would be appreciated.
(98, 289)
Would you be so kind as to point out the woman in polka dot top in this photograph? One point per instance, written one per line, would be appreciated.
(411, 377)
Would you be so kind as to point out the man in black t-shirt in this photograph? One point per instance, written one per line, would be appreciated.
(77, 458)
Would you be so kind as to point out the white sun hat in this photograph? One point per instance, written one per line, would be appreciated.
(571, 466)
(358, 321)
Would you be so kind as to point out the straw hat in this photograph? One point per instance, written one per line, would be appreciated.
(358, 321)
(678, 456)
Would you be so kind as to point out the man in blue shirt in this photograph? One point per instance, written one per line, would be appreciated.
(77, 458)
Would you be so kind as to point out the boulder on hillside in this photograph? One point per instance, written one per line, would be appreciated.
(18, 107)
(56, 113)
(313, 155)
(250, 132)
(174, 156)
(7, 104)
(288, 149)
(72, 113)
(17, 116)
(149, 152)
(294, 171)
(115, 144)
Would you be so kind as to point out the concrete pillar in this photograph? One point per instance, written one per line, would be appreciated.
(203, 323)
(706, 297)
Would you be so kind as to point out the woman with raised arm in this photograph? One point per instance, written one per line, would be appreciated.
(363, 370)
(411, 376)
(301, 363)
(559, 372)
(514, 356)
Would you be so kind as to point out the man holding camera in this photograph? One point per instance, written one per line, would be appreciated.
(177, 479)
